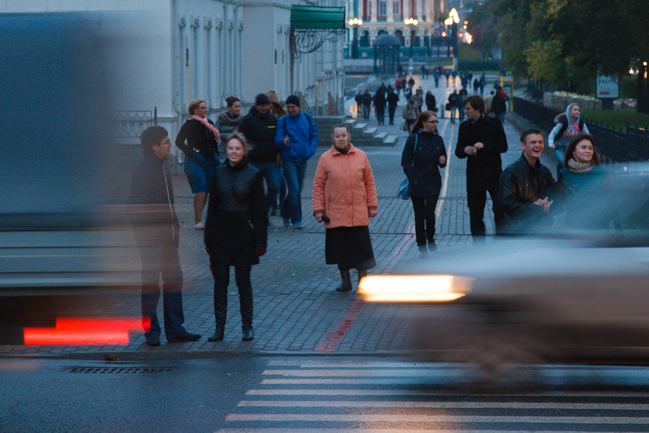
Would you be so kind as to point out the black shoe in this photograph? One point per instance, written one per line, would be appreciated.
(152, 339)
(346, 283)
(248, 334)
(218, 334)
(432, 247)
(423, 252)
(184, 336)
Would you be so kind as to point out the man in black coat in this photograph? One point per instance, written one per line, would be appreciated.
(259, 127)
(156, 232)
(481, 140)
(367, 104)
(379, 106)
(526, 187)
(393, 102)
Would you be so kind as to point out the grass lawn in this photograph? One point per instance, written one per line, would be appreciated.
(617, 117)
(467, 52)
(443, 62)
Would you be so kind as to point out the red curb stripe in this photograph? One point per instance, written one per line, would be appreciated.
(330, 343)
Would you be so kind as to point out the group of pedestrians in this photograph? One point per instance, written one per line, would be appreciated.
(522, 195)
(235, 230)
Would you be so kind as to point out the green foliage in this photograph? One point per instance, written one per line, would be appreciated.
(545, 61)
(617, 117)
(467, 52)
(628, 88)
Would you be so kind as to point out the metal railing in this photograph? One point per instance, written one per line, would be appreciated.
(613, 144)
(131, 123)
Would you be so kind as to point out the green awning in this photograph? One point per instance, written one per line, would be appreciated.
(314, 17)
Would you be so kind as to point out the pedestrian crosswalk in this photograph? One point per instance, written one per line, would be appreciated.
(383, 396)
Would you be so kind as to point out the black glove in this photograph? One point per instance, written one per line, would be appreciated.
(260, 251)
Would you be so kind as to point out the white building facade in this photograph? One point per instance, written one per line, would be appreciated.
(169, 52)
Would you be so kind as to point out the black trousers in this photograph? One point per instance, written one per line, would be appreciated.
(424, 208)
(221, 275)
(477, 201)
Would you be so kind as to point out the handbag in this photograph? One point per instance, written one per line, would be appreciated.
(448, 106)
(403, 192)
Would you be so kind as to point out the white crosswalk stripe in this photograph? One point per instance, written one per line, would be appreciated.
(339, 396)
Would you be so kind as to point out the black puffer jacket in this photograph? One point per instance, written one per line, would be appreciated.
(151, 201)
(228, 236)
(483, 169)
(199, 139)
(259, 129)
(424, 179)
(520, 186)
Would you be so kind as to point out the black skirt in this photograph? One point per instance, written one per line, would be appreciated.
(349, 247)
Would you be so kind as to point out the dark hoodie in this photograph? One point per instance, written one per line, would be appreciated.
(259, 129)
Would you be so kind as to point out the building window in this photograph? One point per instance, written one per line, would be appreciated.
(383, 8)
(396, 8)
(369, 8)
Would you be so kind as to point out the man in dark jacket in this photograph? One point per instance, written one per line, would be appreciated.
(393, 102)
(498, 107)
(379, 106)
(367, 104)
(481, 140)
(259, 127)
(156, 232)
(525, 187)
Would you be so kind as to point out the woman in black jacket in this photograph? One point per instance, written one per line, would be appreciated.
(201, 154)
(235, 231)
(431, 102)
(422, 156)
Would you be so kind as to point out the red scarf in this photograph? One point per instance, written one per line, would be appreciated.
(208, 125)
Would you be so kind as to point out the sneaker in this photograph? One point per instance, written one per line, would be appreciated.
(199, 226)
(298, 226)
(287, 223)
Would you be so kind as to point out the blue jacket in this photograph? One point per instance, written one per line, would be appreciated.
(302, 134)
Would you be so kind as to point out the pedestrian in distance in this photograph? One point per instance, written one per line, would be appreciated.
(367, 104)
(277, 108)
(436, 77)
(419, 97)
(487, 104)
(423, 154)
(344, 197)
(452, 104)
(582, 180)
(483, 83)
(297, 137)
(526, 188)
(481, 140)
(498, 106)
(397, 86)
(411, 82)
(229, 120)
(259, 127)
(476, 85)
(157, 234)
(407, 93)
(359, 104)
(393, 102)
(568, 125)
(201, 155)
(235, 232)
(379, 106)
(459, 102)
(431, 102)
(410, 113)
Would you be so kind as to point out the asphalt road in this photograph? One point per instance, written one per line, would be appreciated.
(246, 394)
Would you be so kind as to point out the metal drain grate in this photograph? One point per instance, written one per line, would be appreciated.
(120, 370)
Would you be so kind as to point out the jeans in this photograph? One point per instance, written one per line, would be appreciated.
(380, 117)
(477, 201)
(558, 153)
(453, 110)
(270, 170)
(221, 275)
(162, 260)
(282, 186)
(391, 111)
(294, 174)
(424, 208)
(366, 112)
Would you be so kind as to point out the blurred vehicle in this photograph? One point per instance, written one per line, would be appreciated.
(62, 245)
(563, 294)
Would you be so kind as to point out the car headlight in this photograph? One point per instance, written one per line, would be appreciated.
(413, 288)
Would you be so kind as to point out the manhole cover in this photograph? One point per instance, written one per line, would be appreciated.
(120, 370)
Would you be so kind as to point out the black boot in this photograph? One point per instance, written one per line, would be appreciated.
(361, 273)
(346, 284)
(218, 334)
(248, 334)
(423, 252)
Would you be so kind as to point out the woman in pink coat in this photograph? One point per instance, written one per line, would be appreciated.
(344, 197)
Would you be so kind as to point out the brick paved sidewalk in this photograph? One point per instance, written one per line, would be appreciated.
(296, 306)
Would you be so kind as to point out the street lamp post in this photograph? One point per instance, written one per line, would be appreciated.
(411, 22)
(355, 24)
